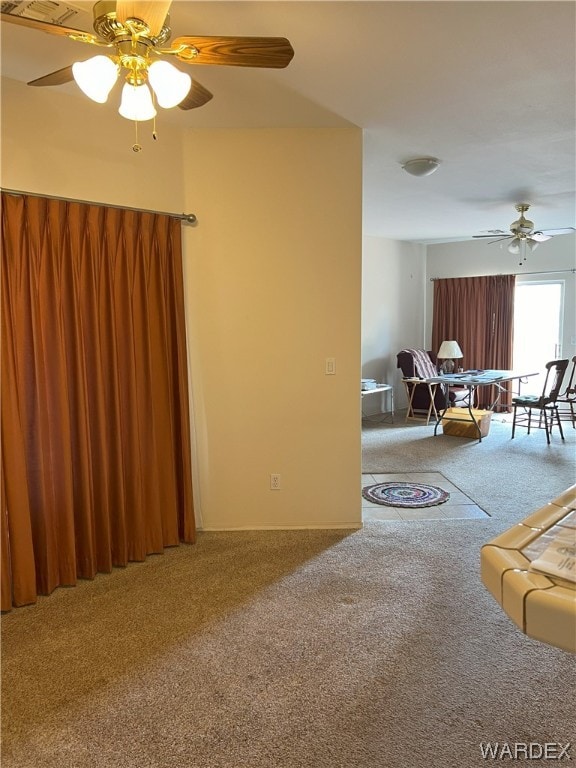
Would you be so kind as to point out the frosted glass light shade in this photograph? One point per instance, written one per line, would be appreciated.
(136, 103)
(421, 166)
(514, 246)
(96, 77)
(169, 84)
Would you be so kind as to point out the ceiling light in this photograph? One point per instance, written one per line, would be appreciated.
(514, 246)
(169, 84)
(421, 166)
(137, 103)
(96, 77)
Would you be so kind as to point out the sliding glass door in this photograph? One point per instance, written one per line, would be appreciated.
(538, 311)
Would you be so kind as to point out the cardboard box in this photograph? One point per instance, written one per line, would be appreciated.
(457, 422)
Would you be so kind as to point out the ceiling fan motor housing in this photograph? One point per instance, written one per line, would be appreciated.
(522, 226)
(133, 40)
(108, 27)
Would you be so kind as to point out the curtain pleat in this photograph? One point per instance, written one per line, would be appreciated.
(96, 454)
(478, 312)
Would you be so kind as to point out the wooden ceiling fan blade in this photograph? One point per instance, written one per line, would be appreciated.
(51, 29)
(197, 96)
(152, 12)
(59, 77)
(273, 52)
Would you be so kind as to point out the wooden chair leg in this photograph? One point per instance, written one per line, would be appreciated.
(555, 411)
(546, 427)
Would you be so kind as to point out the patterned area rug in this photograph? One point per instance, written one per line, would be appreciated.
(405, 494)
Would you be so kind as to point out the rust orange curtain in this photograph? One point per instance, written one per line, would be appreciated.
(478, 312)
(96, 454)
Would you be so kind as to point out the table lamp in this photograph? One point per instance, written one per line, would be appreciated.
(448, 352)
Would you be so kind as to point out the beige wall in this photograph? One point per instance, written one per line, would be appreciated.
(273, 273)
(56, 144)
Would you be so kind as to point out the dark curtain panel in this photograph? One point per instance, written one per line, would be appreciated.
(96, 455)
(478, 312)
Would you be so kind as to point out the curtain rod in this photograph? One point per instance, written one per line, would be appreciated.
(519, 274)
(186, 218)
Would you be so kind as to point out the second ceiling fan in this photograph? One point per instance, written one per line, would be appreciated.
(523, 233)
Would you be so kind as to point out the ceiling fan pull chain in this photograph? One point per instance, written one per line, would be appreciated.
(136, 147)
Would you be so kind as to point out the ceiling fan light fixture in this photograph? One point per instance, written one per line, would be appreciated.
(523, 236)
(170, 85)
(421, 166)
(96, 77)
(137, 103)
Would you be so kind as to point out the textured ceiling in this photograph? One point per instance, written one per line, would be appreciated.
(486, 87)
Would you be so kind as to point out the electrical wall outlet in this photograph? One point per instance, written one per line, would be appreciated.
(330, 366)
(275, 482)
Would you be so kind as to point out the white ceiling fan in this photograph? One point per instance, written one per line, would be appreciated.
(524, 235)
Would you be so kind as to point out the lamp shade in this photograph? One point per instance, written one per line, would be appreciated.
(449, 350)
(169, 84)
(514, 246)
(96, 77)
(137, 103)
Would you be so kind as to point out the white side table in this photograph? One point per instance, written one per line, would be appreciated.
(381, 389)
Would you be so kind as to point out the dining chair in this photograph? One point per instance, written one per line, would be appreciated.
(567, 398)
(545, 404)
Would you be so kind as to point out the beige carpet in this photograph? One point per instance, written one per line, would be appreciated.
(376, 648)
